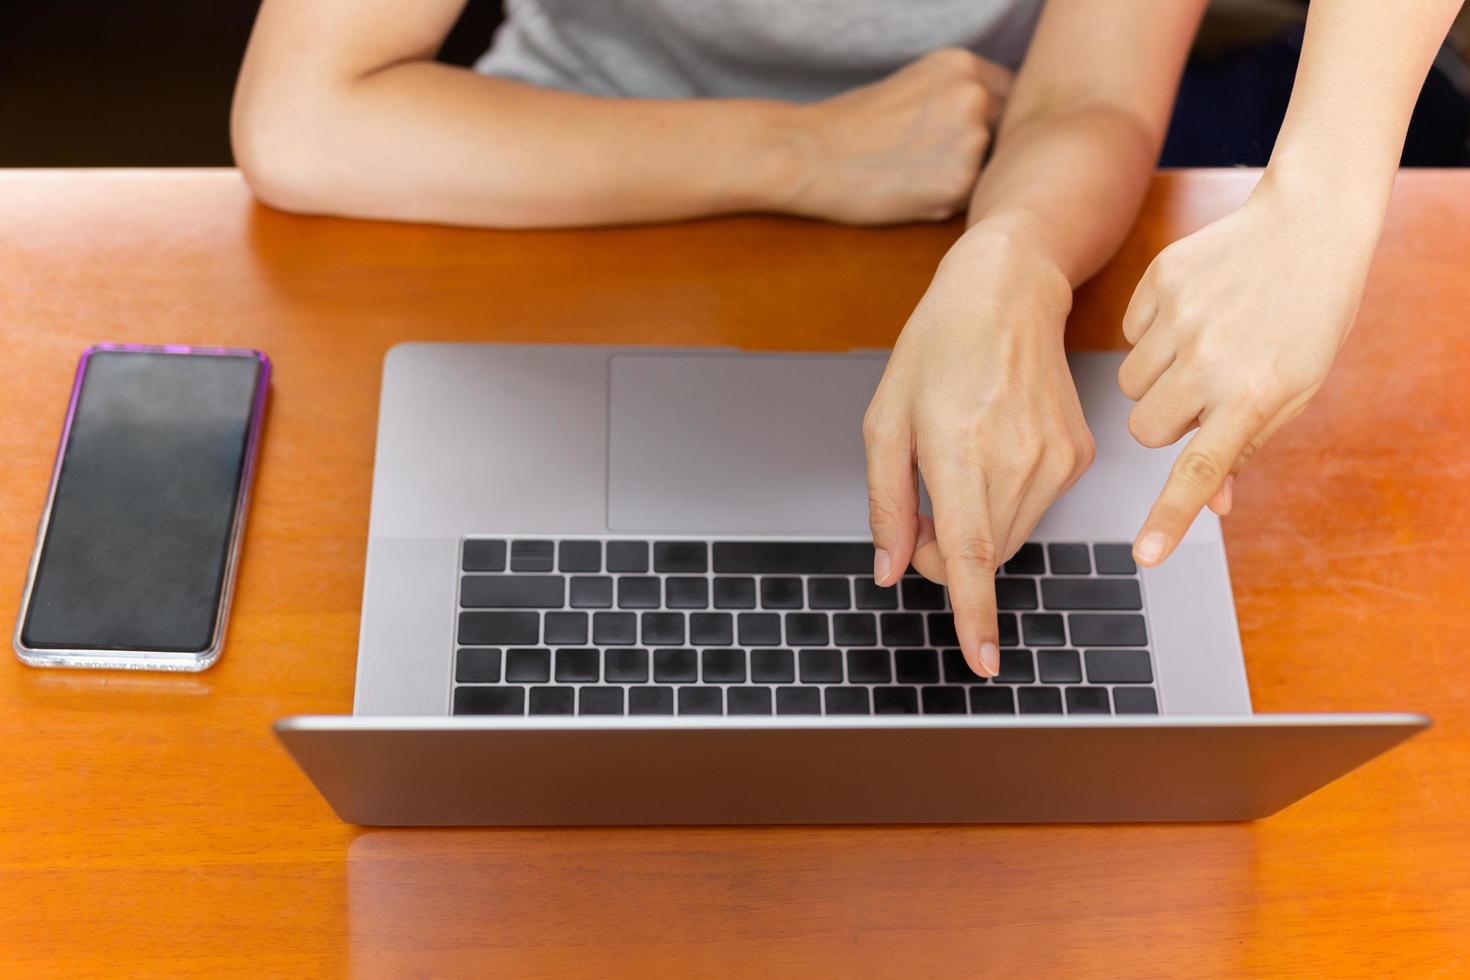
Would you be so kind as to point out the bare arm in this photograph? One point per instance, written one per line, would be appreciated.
(977, 393)
(1236, 327)
(341, 109)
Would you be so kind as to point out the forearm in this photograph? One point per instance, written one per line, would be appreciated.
(421, 141)
(1084, 126)
(1360, 73)
(1072, 179)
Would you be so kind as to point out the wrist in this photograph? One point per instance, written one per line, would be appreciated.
(1012, 246)
(773, 162)
(1346, 202)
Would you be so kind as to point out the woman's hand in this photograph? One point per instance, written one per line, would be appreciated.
(906, 148)
(1234, 329)
(979, 395)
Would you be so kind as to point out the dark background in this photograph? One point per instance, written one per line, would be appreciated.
(148, 83)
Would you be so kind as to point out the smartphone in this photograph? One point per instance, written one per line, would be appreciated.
(135, 555)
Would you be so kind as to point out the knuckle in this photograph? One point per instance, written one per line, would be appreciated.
(957, 59)
(975, 550)
(881, 511)
(1129, 381)
(1086, 453)
(1202, 467)
(1145, 429)
(880, 426)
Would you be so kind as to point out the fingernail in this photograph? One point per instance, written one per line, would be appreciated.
(881, 565)
(990, 659)
(1227, 495)
(1150, 547)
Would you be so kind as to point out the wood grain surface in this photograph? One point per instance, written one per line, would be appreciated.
(150, 826)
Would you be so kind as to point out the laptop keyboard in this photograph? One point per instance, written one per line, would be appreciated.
(582, 626)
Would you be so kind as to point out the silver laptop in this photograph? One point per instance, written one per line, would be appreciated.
(613, 585)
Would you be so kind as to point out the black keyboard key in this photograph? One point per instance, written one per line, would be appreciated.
(869, 667)
(711, 629)
(1088, 701)
(512, 591)
(941, 630)
(780, 592)
(798, 701)
(1103, 630)
(820, 666)
(847, 701)
(553, 700)
(564, 629)
(580, 556)
(650, 700)
(531, 556)
(576, 666)
(920, 593)
(638, 592)
(662, 627)
(627, 556)
(1135, 701)
(600, 701)
(1042, 630)
(489, 700)
(1114, 559)
(590, 592)
(528, 665)
(895, 701)
(484, 556)
(901, 629)
(1015, 667)
(916, 666)
(957, 670)
(807, 630)
(828, 593)
(867, 594)
(614, 629)
(477, 666)
(675, 666)
(1119, 667)
(992, 701)
(794, 557)
(1069, 559)
(1010, 635)
(772, 666)
(944, 701)
(686, 592)
(735, 593)
(759, 629)
(701, 701)
(1029, 560)
(1038, 700)
(1015, 593)
(723, 666)
(749, 700)
(626, 665)
(1059, 666)
(498, 628)
(1091, 593)
(854, 629)
(680, 556)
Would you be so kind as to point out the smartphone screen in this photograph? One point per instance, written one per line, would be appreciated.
(138, 545)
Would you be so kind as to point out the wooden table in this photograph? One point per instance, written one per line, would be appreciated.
(150, 825)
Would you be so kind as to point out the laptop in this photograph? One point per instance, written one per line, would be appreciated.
(620, 585)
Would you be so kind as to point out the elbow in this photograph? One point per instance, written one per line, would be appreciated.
(283, 163)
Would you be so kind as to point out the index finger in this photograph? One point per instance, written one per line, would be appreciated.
(1197, 474)
(968, 547)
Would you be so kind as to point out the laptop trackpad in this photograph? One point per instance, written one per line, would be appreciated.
(738, 443)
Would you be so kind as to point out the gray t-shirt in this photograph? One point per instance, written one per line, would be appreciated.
(797, 50)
